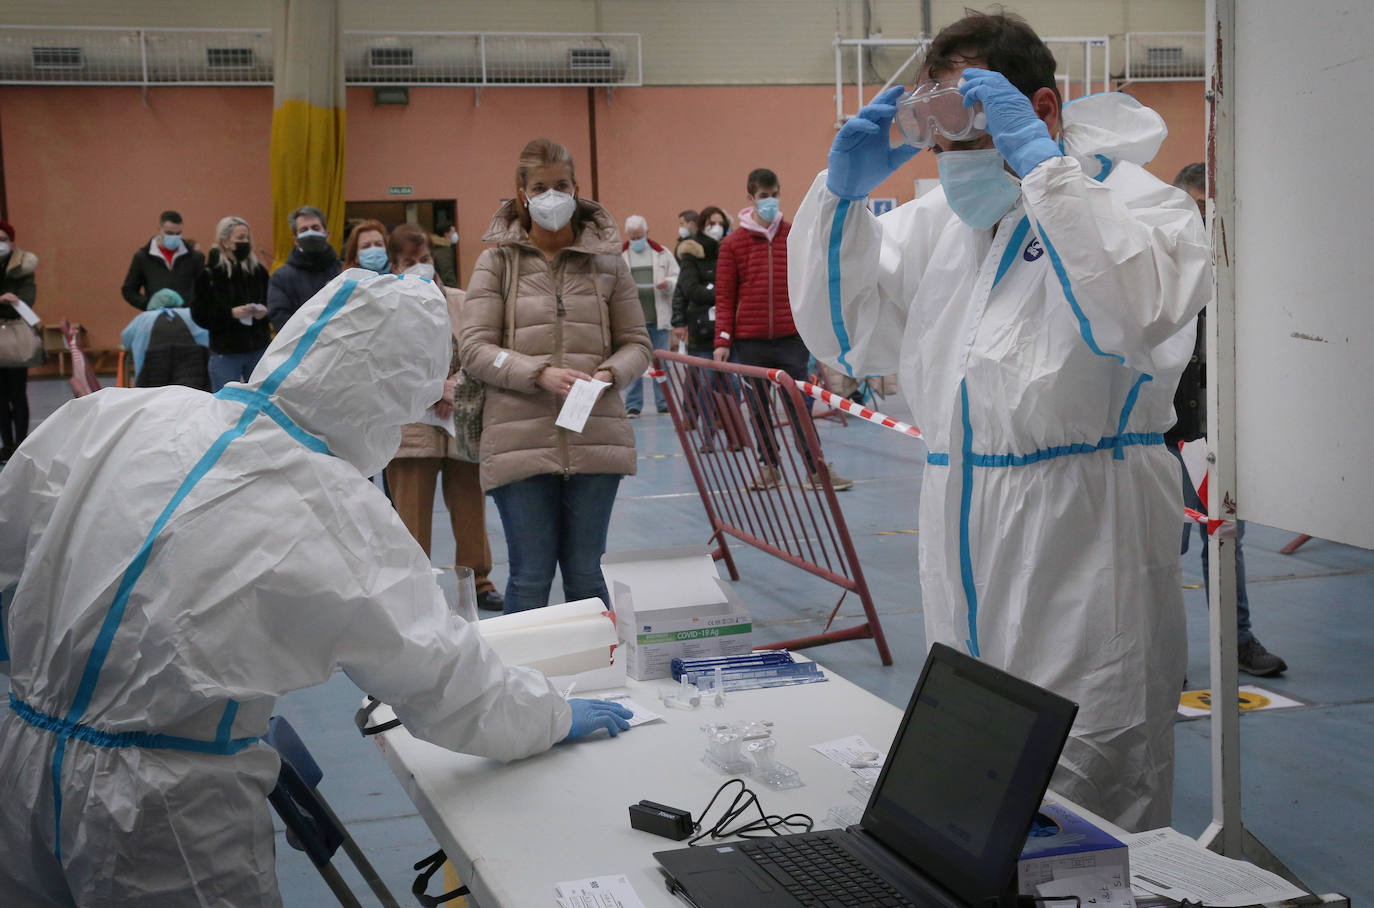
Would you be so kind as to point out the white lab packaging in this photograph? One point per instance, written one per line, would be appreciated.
(671, 604)
(1077, 848)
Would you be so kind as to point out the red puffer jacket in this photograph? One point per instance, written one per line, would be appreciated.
(751, 287)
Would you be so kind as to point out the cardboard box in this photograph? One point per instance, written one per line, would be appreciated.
(671, 604)
(1077, 848)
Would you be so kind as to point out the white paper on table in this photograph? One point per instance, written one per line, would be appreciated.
(1167, 862)
(642, 714)
(430, 418)
(598, 892)
(578, 405)
(853, 749)
(26, 313)
(1091, 890)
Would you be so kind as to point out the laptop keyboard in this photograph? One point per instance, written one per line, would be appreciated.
(817, 872)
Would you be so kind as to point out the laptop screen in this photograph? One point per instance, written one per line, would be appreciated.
(966, 773)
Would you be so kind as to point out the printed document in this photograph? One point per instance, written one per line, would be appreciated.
(578, 405)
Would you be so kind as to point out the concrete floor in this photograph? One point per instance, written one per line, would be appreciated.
(1306, 771)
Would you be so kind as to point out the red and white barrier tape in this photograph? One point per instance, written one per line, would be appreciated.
(848, 406)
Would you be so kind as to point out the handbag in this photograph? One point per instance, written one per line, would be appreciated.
(20, 345)
(469, 392)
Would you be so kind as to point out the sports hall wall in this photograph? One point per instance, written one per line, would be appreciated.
(88, 169)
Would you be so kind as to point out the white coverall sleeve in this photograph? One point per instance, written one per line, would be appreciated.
(403, 646)
(1135, 265)
(851, 278)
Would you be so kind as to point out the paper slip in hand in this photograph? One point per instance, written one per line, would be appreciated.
(429, 418)
(578, 405)
(642, 715)
(26, 313)
(598, 892)
(1090, 890)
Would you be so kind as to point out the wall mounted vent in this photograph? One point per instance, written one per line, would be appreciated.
(50, 58)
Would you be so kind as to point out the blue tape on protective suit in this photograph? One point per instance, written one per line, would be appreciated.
(833, 284)
(965, 507)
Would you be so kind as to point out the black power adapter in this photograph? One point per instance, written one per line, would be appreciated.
(660, 819)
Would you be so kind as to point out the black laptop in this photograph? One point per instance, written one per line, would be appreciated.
(945, 823)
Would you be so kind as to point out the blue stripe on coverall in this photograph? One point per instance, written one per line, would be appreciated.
(69, 727)
(833, 285)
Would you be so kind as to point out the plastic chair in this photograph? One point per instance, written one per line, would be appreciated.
(311, 825)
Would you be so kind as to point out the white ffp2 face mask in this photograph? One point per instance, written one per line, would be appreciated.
(421, 269)
(552, 209)
(714, 231)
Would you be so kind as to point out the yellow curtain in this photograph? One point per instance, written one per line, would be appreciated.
(307, 151)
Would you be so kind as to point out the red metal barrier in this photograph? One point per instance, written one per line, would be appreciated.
(763, 480)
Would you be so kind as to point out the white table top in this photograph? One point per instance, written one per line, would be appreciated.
(515, 830)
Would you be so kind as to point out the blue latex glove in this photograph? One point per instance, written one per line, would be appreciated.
(590, 715)
(1021, 136)
(861, 156)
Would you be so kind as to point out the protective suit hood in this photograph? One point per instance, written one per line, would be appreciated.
(1114, 125)
(362, 358)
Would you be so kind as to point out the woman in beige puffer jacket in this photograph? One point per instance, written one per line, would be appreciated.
(576, 316)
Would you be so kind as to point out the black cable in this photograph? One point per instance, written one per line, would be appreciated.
(743, 800)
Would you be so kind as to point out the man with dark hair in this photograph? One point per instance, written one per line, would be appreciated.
(166, 263)
(311, 264)
(1189, 403)
(754, 317)
(686, 226)
(1038, 309)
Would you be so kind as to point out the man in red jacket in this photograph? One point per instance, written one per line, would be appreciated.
(754, 317)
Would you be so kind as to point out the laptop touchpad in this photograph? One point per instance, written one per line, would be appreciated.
(727, 880)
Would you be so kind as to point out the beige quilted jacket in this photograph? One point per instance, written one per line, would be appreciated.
(579, 311)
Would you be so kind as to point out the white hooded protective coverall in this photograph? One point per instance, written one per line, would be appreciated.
(1040, 363)
(181, 561)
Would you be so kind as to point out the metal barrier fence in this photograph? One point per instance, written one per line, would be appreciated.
(756, 459)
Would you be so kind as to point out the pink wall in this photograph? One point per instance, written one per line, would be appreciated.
(88, 169)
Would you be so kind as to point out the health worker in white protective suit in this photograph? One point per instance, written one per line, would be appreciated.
(181, 561)
(1038, 327)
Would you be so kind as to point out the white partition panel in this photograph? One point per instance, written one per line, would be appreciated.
(1302, 247)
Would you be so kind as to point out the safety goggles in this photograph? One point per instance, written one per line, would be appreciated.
(933, 108)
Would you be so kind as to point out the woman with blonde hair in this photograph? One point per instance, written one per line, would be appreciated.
(231, 304)
(428, 452)
(574, 315)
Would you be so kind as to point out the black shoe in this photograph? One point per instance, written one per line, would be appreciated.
(491, 601)
(663, 409)
(1254, 659)
(632, 413)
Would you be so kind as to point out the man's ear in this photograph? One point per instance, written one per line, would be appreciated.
(1046, 106)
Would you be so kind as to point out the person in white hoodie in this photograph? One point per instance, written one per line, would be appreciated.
(180, 560)
(1038, 309)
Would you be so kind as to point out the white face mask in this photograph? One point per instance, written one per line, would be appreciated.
(421, 269)
(552, 209)
(714, 231)
(5, 249)
(684, 232)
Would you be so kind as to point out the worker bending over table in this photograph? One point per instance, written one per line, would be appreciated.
(1038, 309)
(181, 561)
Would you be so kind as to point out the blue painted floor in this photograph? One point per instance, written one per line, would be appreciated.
(1306, 771)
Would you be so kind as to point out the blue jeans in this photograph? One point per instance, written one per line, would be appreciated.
(227, 367)
(634, 395)
(552, 522)
(1190, 499)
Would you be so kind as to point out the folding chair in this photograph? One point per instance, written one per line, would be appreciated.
(311, 825)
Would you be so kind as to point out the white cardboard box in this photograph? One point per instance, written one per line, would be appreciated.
(671, 604)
